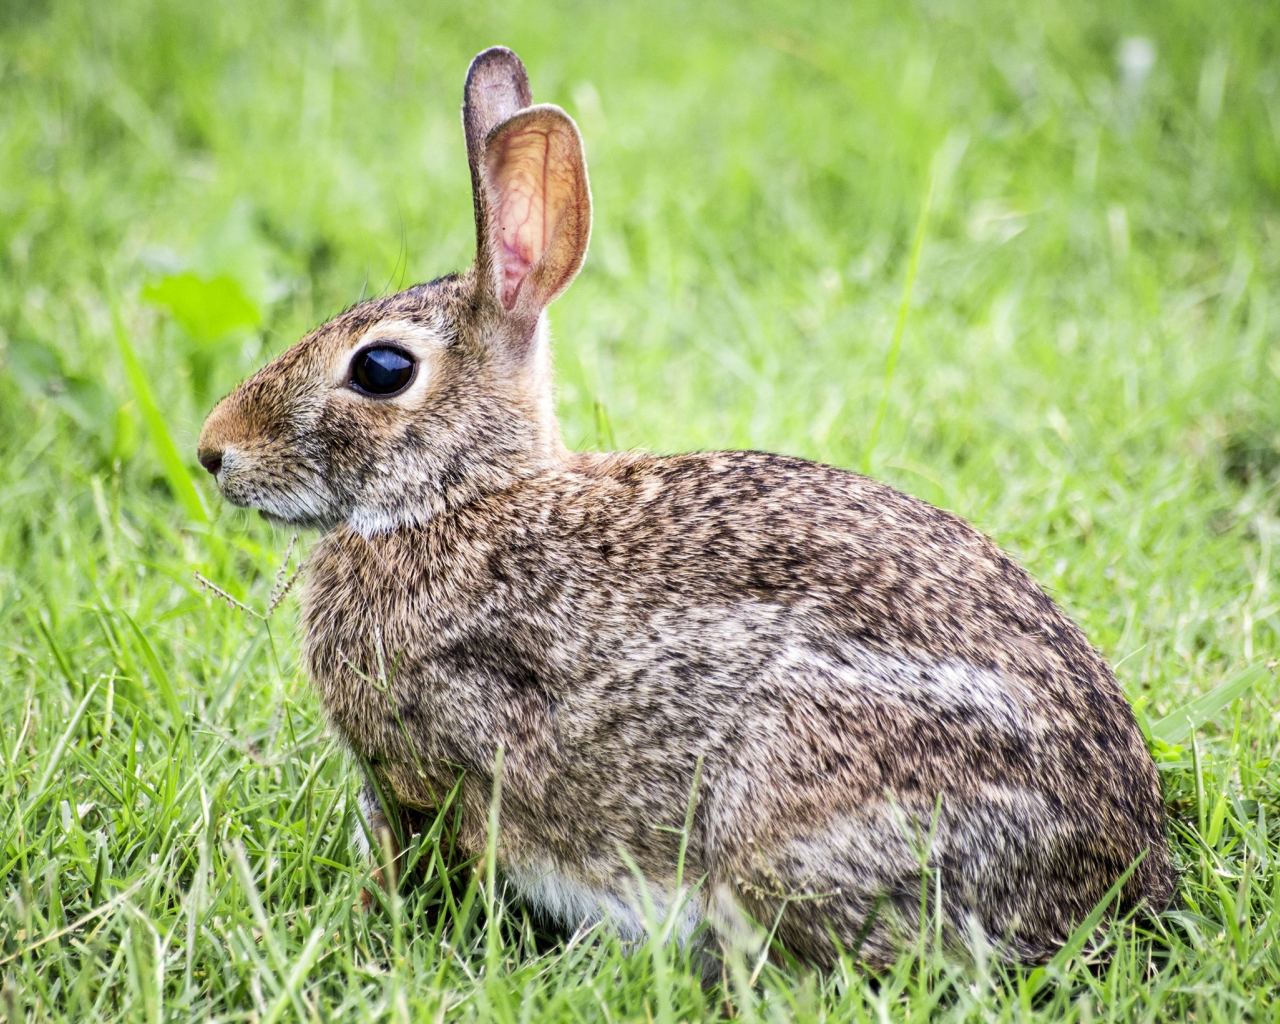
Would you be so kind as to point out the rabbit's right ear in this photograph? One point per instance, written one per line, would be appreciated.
(532, 199)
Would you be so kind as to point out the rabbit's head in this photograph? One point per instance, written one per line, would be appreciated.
(403, 406)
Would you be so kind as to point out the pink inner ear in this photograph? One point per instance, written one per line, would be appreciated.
(521, 221)
(521, 224)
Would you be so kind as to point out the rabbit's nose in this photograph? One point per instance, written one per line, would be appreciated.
(211, 460)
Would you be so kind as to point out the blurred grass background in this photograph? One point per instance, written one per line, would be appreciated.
(1090, 372)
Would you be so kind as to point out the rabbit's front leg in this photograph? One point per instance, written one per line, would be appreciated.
(386, 855)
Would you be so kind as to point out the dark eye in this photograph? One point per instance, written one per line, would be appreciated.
(381, 371)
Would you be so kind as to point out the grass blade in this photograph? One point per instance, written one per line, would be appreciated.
(175, 470)
(59, 655)
(296, 976)
(1084, 929)
(900, 324)
(60, 747)
(97, 912)
(1176, 726)
(493, 939)
(157, 672)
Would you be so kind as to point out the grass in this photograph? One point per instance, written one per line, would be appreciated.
(1089, 369)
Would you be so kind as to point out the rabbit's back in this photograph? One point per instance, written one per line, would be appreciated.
(872, 686)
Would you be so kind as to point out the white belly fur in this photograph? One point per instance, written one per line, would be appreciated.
(574, 905)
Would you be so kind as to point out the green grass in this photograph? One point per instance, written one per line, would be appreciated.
(1089, 370)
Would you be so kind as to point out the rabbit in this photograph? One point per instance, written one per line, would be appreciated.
(877, 706)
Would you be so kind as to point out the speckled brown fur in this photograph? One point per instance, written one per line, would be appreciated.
(871, 684)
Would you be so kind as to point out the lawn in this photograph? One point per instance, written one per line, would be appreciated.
(1088, 369)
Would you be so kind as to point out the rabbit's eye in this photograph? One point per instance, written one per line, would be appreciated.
(381, 371)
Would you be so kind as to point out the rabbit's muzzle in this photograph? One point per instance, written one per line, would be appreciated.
(266, 466)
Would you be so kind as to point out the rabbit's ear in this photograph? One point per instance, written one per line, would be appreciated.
(497, 86)
(535, 217)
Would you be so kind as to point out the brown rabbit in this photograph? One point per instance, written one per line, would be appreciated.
(879, 697)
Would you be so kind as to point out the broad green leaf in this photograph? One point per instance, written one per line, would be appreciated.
(207, 308)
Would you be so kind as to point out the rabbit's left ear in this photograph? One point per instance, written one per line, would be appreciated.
(529, 183)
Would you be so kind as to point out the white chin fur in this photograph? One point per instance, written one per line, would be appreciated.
(297, 508)
(302, 503)
(301, 508)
